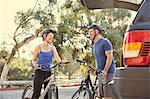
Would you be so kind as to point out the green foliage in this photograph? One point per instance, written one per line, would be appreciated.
(20, 69)
(3, 55)
(71, 68)
(116, 40)
(3, 52)
(20, 74)
(72, 22)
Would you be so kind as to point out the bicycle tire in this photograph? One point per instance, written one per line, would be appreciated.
(97, 95)
(53, 92)
(28, 92)
(82, 93)
(101, 92)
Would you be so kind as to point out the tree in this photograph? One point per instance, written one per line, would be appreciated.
(20, 69)
(71, 68)
(72, 25)
(22, 34)
(114, 22)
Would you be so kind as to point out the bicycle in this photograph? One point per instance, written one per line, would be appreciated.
(87, 90)
(51, 87)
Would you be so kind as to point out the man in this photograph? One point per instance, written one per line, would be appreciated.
(102, 49)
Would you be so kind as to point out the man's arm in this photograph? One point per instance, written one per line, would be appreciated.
(108, 62)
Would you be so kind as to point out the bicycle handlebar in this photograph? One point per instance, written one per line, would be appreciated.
(46, 66)
(85, 64)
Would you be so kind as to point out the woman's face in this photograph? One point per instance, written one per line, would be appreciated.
(49, 37)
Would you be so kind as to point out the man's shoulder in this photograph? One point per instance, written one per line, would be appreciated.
(105, 40)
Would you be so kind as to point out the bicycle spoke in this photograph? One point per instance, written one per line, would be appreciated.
(28, 92)
(82, 94)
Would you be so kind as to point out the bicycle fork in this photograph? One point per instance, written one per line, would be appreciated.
(46, 89)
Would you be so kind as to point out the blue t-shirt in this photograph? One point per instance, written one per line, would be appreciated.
(99, 49)
(45, 58)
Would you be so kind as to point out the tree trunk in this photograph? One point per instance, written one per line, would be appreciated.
(6, 66)
(14, 50)
(5, 72)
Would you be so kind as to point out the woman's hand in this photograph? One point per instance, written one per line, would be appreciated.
(34, 64)
(63, 62)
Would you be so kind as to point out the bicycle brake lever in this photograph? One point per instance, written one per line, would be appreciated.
(80, 61)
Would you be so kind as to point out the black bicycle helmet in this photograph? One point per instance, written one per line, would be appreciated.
(96, 26)
(46, 31)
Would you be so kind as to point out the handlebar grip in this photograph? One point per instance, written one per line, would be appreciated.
(42, 66)
(66, 62)
(80, 61)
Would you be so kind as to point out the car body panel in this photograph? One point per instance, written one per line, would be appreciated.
(103, 4)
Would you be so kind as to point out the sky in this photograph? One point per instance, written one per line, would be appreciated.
(8, 9)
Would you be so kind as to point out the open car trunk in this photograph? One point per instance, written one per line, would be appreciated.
(102, 4)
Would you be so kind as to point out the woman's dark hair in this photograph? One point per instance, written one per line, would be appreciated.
(46, 32)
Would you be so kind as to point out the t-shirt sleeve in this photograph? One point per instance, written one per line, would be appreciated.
(107, 45)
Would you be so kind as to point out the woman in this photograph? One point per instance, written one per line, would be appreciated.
(43, 55)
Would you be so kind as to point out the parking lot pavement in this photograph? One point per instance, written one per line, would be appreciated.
(64, 93)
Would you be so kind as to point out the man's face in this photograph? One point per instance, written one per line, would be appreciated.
(92, 33)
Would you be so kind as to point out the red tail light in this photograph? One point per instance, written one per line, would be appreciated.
(136, 48)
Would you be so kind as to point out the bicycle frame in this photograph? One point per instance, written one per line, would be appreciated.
(87, 81)
(51, 82)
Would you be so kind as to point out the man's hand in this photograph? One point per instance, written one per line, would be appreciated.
(104, 73)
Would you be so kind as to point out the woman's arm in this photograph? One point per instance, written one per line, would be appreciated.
(35, 56)
(56, 56)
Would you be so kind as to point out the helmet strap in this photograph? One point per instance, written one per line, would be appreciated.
(94, 37)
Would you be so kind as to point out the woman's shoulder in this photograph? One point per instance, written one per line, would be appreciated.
(52, 46)
(38, 46)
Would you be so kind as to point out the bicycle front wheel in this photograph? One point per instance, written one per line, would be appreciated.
(97, 95)
(53, 92)
(28, 92)
(82, 93)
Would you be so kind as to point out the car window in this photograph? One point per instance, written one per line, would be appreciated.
(143, 14)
